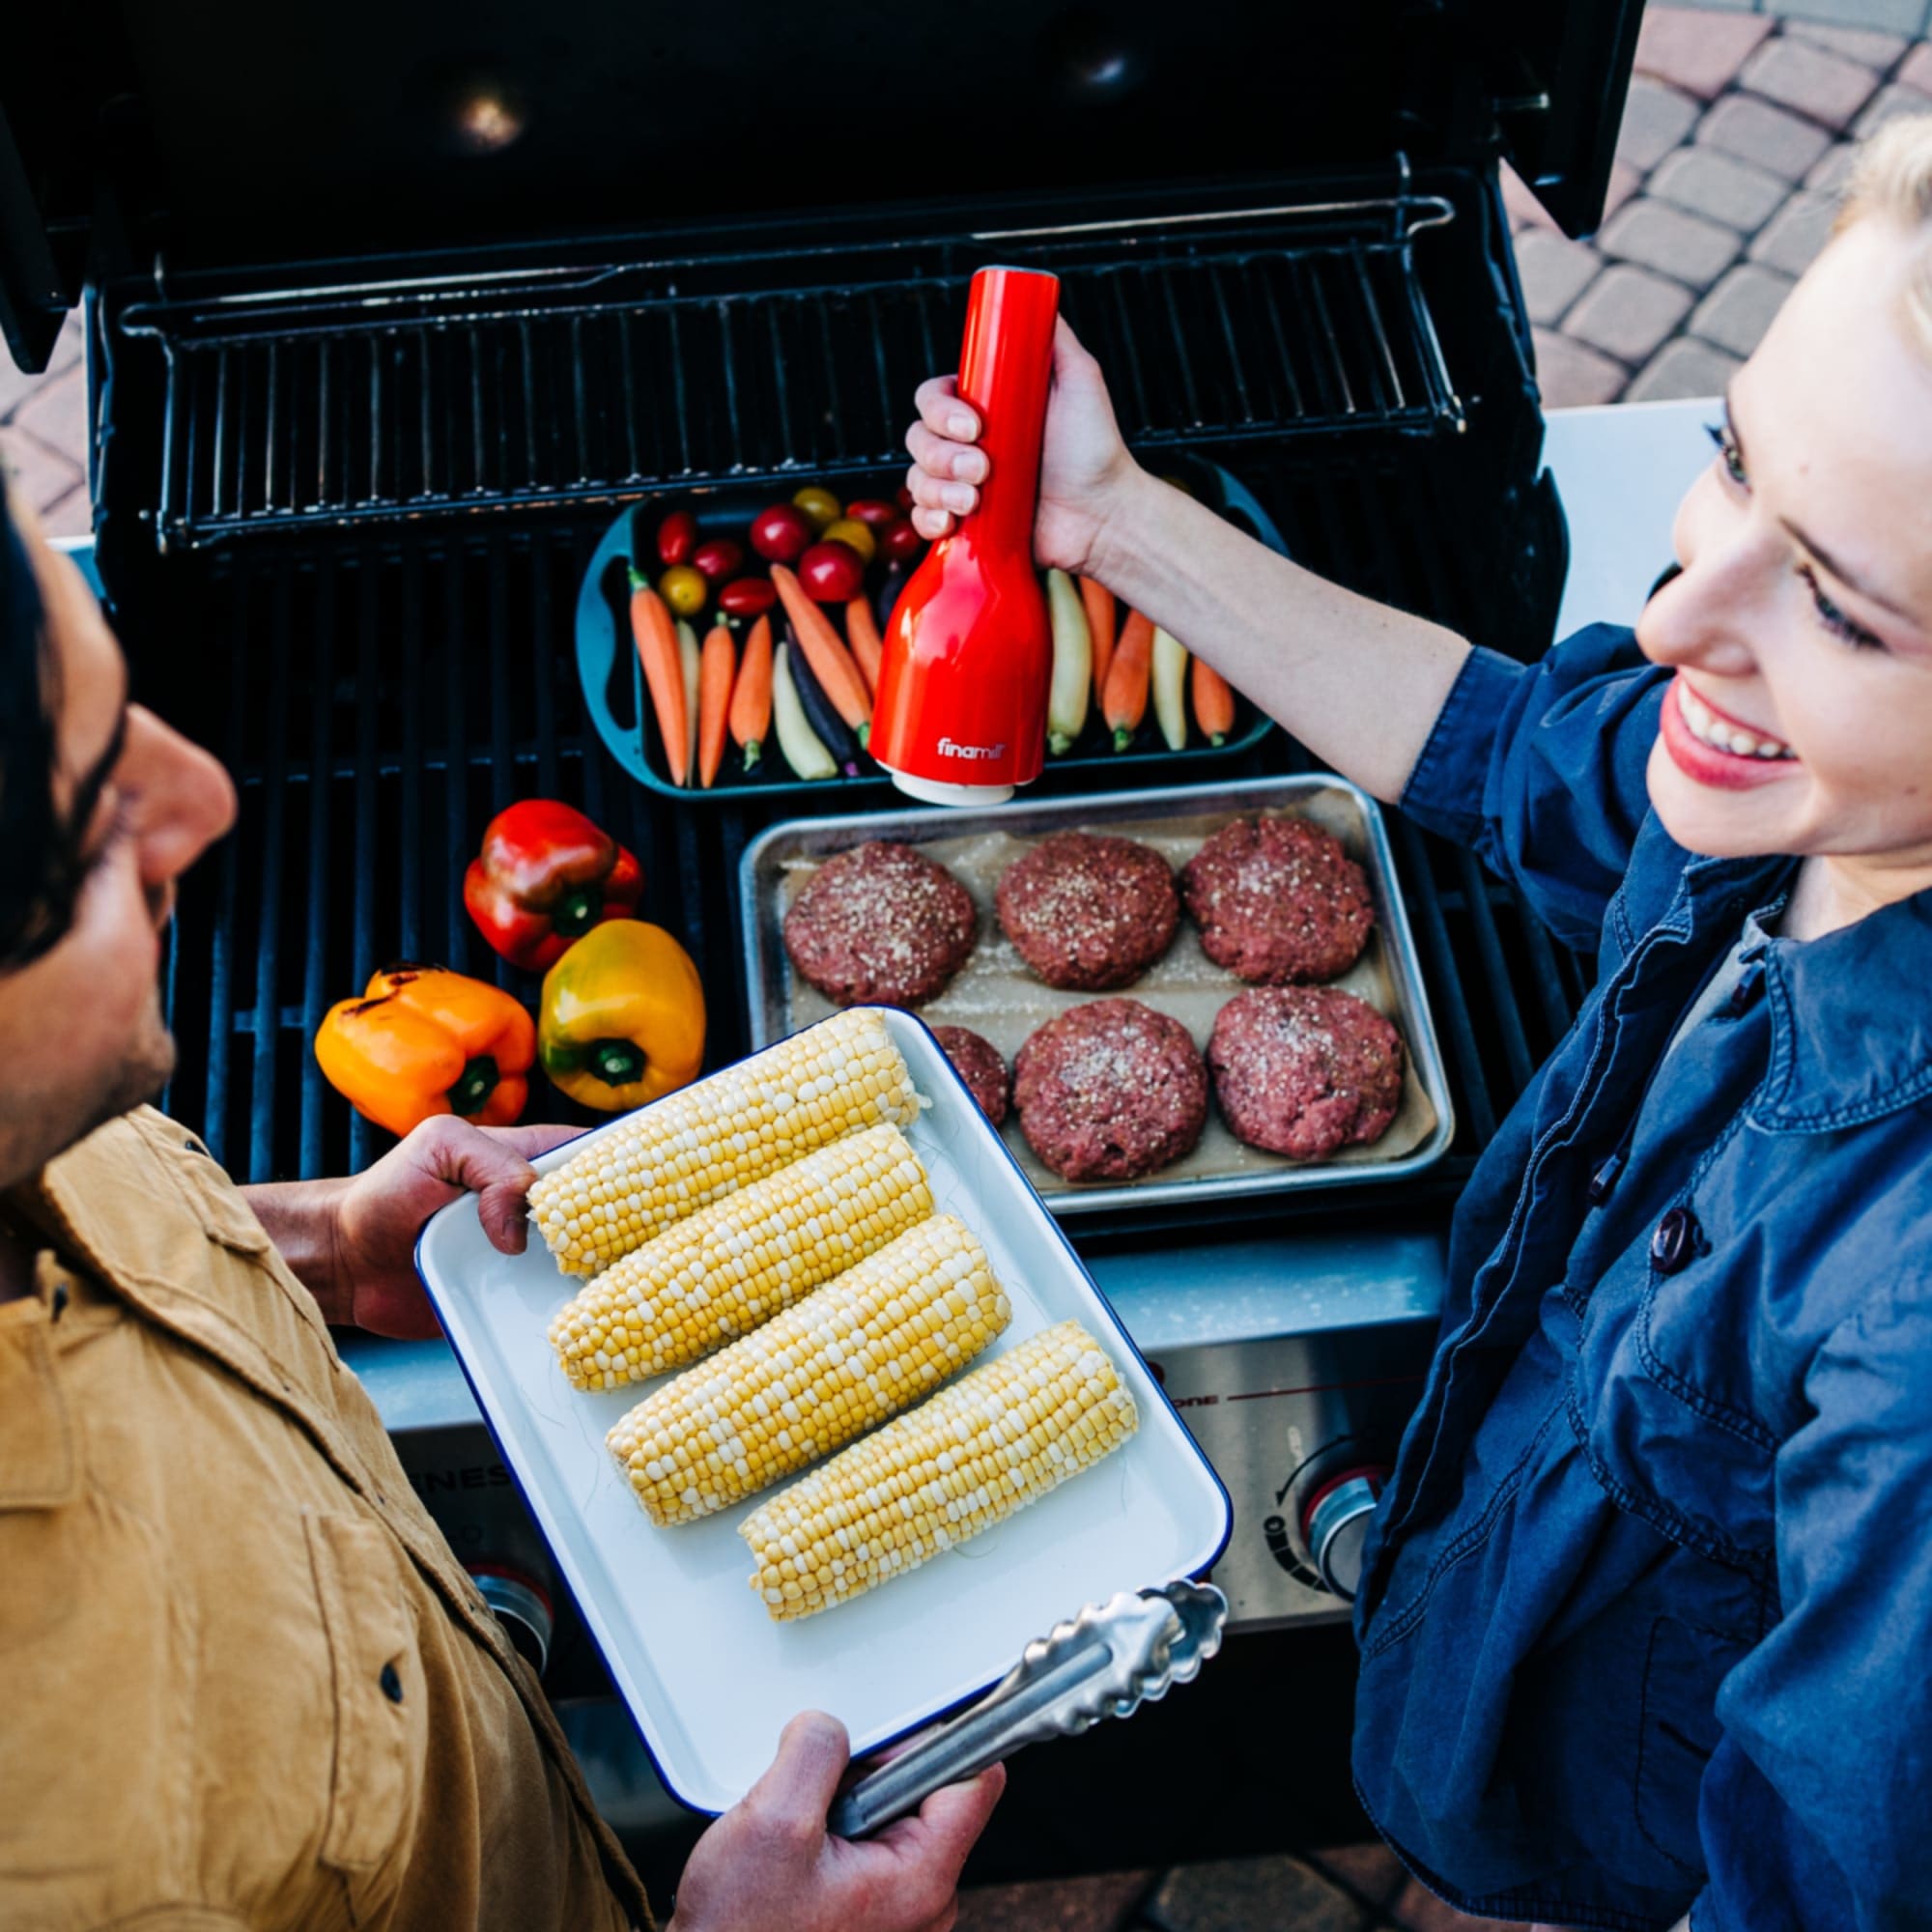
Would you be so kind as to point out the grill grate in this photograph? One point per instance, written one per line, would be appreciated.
(382, 404)
(378, 700)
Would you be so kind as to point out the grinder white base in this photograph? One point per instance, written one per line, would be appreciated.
(936, 791)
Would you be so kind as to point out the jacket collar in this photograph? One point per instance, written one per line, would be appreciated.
(1851, 1012)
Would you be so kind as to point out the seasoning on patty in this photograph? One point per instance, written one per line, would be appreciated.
(880, 925)
(1110, 1091)
(1087, 912)
(1278, 900)
(1303, 1070)
(981, 1067)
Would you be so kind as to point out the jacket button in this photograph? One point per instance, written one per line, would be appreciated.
(1675, 1242)
(392, 1685)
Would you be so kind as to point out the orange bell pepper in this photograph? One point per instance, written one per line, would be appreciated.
(423, 1041)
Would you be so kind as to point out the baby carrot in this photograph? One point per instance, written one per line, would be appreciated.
(1213, 702)
(751, 714)
(715, 666)
(862, 633)
(1124, 702)
(1099, 602)
(664, 670)
(825, 651)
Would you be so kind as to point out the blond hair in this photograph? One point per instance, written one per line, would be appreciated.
(1893, 178)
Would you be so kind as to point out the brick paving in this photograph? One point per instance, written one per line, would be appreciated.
(1733, 148)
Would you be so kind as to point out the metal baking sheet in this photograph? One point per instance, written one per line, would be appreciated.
(995, 994)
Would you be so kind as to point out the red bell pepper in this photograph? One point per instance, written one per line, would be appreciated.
(546, 875)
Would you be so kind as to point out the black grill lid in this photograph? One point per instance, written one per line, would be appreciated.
(230, 133)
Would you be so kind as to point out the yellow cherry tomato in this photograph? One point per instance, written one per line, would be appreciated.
(851, 531)
(684, 589)
(818, 503)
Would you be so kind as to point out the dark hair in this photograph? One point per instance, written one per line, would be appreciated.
(40, 867)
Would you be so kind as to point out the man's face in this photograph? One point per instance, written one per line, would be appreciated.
(81, 1035)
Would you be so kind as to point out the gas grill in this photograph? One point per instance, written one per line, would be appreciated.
(388, 313)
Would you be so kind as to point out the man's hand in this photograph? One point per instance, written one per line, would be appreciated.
(352, 1242)
(769, 1862)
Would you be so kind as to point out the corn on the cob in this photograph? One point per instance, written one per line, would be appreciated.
(692, 1147)
(996, 1440)
(864, 1347)
(722, 1271)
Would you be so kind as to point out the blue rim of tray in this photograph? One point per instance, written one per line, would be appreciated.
(604, 653)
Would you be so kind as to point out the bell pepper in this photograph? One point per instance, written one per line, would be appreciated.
(546, 875)
(621, 1020)
(423, 1041)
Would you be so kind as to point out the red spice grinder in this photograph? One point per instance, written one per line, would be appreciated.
(960, 714)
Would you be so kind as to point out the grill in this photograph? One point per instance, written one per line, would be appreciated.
(366, 398)
(584, 384)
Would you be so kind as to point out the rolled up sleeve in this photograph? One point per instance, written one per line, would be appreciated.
(1816, 1808)
(1540, 769)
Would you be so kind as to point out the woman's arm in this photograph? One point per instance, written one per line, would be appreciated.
(1358, 682)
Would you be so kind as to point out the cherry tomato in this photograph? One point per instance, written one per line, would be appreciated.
(721, 559)
(747, 597)
(818, 503)
(904, 499)
(677, 537)
(781, 533)
(832, 573)
(854, 534)
(900, 542)
(870, 510)
(683, 589)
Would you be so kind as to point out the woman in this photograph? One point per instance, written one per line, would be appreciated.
(1647, 1627)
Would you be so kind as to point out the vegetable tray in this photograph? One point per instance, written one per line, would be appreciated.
(996, 996)
(708, 1677)
(619, 707)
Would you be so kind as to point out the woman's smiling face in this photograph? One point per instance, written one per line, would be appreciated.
(1801, 627)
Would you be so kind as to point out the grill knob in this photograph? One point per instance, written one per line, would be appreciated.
(1335, 1524)
(521, 1606)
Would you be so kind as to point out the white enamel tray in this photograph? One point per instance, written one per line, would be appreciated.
(709, 1678)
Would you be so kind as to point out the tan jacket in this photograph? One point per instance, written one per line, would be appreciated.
(242, 1678)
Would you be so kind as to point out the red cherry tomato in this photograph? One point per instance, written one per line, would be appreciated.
(900, 542)
(720, 560)
(747, 597)
(677, 537)
(870, 510)
(832, 573)
(781, 533)
(904, 499)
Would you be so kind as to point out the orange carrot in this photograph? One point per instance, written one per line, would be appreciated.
(656, 637)
(751, 714)
(1099, 602)
(1126, 700)
(714, 667)
(862, 633)
(1213, 701)
(840, 678)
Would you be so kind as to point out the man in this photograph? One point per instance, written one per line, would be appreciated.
(246, 1681)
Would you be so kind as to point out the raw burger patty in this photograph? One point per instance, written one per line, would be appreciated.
(880, 925)
(981, 1067)
(1110, 1091)
(1278, 900)
(1302, 1070)
(1089, 913)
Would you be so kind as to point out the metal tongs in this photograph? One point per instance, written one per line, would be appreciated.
(1105, 1662)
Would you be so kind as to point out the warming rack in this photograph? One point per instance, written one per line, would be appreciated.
(383, 403)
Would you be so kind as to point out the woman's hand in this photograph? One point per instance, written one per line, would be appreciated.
(770, 1861)
(351, 1244)
(1085, 470)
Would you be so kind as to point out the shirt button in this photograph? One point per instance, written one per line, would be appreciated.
(1675, 1242)
(392, 1685)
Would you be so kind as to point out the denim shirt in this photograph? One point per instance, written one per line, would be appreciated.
(1646, 1624)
